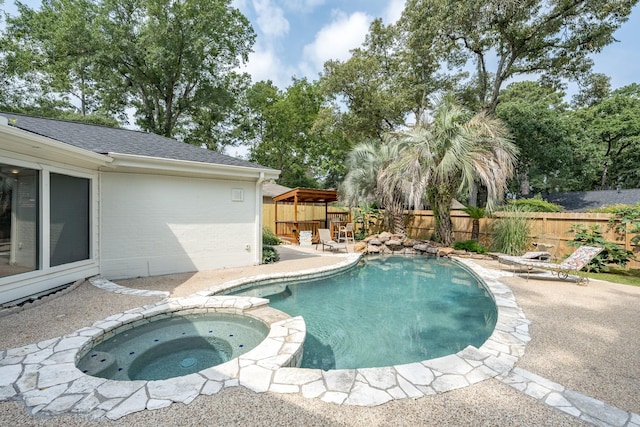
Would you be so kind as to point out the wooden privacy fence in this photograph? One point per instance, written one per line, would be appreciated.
(549, 228)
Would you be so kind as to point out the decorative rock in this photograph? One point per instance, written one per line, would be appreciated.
(375, 242)
(432, 250)
(409, 243)
(445, 252)
(394, 245)
(373, 249)
(360, 247)
(421, 247)
(384, 236)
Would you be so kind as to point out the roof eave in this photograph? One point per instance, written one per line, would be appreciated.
(158, 165)
(25, 143)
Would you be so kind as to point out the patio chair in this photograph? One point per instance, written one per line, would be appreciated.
(542, 256)
(326, 240)
(344, 231)
(572, 264)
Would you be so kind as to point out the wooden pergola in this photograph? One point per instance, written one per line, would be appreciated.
(290, 229)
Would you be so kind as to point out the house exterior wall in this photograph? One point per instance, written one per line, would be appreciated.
(153, 224)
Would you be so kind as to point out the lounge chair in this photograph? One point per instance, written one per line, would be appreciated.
(542, 256)
(580, 258)
(326, 240)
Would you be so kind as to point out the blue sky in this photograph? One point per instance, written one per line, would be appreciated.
(295, 37)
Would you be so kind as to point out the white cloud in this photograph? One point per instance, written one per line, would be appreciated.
(303, 5)
(264, 64)
(335, 40)
(393, 11)
(270, 19)
(239, 4)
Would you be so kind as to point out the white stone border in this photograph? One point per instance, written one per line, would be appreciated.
(45, 378)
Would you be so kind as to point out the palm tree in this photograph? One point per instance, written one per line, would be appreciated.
(368, 182)
(444, 157)
(475, 213)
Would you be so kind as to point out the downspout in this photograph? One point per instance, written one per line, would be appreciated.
(258, 222)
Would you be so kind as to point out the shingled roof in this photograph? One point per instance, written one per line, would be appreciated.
(104, 140)
(585, 200)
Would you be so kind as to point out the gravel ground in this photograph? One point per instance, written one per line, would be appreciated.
(585, 338)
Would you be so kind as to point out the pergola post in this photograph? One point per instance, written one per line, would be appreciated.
(296, 231)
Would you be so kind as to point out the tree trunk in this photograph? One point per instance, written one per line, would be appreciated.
(475, 230)
(524, 183)
(397, 218)
(442, 215)
(603, 179)
(473, 194)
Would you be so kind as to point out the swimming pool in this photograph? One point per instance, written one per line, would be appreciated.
(389, 310)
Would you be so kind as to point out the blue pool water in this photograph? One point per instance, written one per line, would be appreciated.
(174, 346)
(390, 310)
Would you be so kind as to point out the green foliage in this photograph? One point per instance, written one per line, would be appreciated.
(544, 132)
(365, 216)
(284, 134)
(511, 232)
(452, 152)
(474, 212)
(172, 62)
(592, 236)
(269, 254)
(470, 246)
(535, 204)
(505, 39)
(626, 220)
(269, 237)
(615, 275)
(613, 129)
(373, 84)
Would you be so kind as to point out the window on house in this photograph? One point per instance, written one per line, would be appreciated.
(69, 221)
(21, 224)
(19, 220)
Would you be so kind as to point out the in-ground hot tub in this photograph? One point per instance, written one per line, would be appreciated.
(172, 345)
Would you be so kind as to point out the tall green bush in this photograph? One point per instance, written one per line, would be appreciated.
(625, 219)
(269, 237)
(592, 236)
(511, 232)
(269, 254)
(535, 204)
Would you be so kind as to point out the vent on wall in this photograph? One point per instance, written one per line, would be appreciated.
(237, 195)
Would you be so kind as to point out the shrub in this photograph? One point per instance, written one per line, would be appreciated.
(535, 204)
(626, 219)
(511, 232)
(269, 238)
(366, 217)
(269, 254)
(612, 253)
(470, 246)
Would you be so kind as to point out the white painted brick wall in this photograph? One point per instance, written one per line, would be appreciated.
(155, 225)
